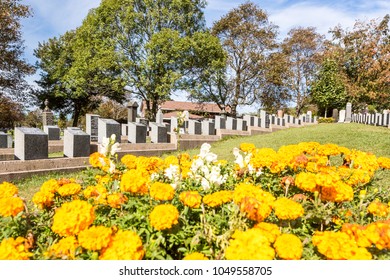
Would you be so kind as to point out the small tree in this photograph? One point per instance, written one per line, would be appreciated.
(328, 90)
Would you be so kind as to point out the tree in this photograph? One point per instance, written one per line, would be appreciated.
(13, 68)
(72, 79)
(363, 54)
(113, 110)
(248, 39)
(11, 113)
(328, 90)
(303, 47)
(154, 43)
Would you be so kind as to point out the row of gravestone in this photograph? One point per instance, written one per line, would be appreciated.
(377, 119)
(32, 143)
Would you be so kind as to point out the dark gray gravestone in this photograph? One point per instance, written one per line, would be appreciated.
(3, 140)
(250, 120)
(107, 127)
(242, 125)
(220, 122)
(31, 143)
(208, 127)
(76, 143)
(132, 111)
(137, 132)
(194, 127)
(92, 126)
(52, 131)
(158, 133)
(231, 123)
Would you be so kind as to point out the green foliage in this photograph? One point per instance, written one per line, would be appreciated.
(328, 90)
(326, 120)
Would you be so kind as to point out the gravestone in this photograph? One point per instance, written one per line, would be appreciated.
(124, 129)
(52, 131)
(92, 126)
(3, 140)
(220, 122)
(158, 133)
(264, 119)
(342, 116)
(136, 133)
(159, 117)
(208, 127)
(250, 120)
(47, 115)
(132, 111)
(31, 143)
(378, 119)
(335, 115)
(231, 123)
(309, 117)
(107, 127)
(348, 112)
(194, 127)
(76, 143)
(242, 125)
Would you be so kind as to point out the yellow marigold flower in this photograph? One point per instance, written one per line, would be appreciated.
(49, 186)
(271, 231)
(124, 245)
(130, 161)
(354, 177)
(249, 245)
(339, 192)
(164, 216)
(196, 256)
(115, 200)
(95, 238)
(243, 190)
(98, 160)
(161, 191)
(69, 189)
(306, 182)
(379, 234)
(339, 246)
(149, 164)
(73, 217)
(191, 199)
(263, 158)
(170, 160)
(64, 249)
(247, 147)
(378, 208)
(309, 147)
(135, 181)
(288, 247)
(254, 209)
(8, 190)
(14, 249)
(94, 191)
(11, 206)
(287, 209)
(218, 198)
(43, 199)
(328, 150)
(384, 162)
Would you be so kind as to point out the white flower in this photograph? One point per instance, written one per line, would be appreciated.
(205, 184)
(112, 167)
(115, 148)
(204, 149)
(210, 157)
(113, 138)
(172, 172)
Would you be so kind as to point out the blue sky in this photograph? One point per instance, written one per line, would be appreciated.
(55, 17)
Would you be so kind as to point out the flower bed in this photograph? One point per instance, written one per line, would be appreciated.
(304, 201)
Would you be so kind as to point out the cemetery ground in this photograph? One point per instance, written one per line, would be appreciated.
(307, 221)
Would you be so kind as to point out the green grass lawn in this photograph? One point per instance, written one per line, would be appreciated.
(353, 136)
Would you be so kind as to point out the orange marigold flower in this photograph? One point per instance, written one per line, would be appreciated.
(124, 245)
(306, 182)
(135, 181)
(249, 245)
(271, 231)
(11, 206)
(254, 209)
(115, 200)
(95, 238)
(64, 249)
(69, 189)
(218, 198)
(195, 256)
(378, 208)
(130, 161)
(73, 217)
(243, 190)
(191, 199)
(161, 191)
(339, 192)
(287, 209)
(164, 216)
(14, 249)
(288, 247)
(43, 199)
(98, 160)
(8, 190)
